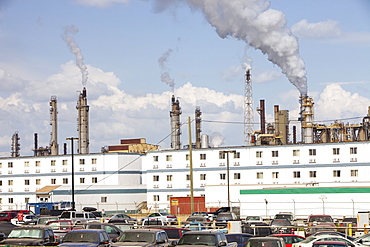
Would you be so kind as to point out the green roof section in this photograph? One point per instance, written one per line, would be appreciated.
(310, 190)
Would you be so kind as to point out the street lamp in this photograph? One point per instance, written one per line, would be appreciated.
(228, 174)
(73, 172)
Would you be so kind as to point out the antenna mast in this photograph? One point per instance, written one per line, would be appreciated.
(248, 108)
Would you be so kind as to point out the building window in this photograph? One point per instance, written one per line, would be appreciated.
(156, 198)
(275, 174)
(26, 164)
(222, 176)
(169, 197)
(26, 182)
(203, 176)
(1, 200)
(65, 162)
(335, 151)
(222, 155)
(336, 173)
(82, 161)
(275, 153)
(65, 180)
(10, 182)
(10, 164)
(187, 177)
(312, 152)
(156, 178)
(168, 157)
(1, 182)
(259, 175)
(53, 162)
(259, 154)
(296, 152)
(296, 174)
(82, 180)
(169, 177)
(312, 174)
(353, 150)
(236, 175)
(26, 200)
(94, 180)
(1, 165)
(187, 157)
(38, 181)
(155, 158)
(37, 164)
(202, 156)
(104, 199)
(354, 173)
(53, 181)
(237, 155)
(94, 161)
(10, 200)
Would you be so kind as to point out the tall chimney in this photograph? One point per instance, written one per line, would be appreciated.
(175, 124)
(261, 111)
(54, 126)
(83, 123)
(15, 145)
(276, 115)
(198, 130)
(36, 144)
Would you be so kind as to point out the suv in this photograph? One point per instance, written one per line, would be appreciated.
(284, 215)
(86, 237)
(7, 216)
(320, 219)
(30, 236)
(78, 216)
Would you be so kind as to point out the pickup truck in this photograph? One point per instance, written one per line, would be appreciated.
(30, 236)
(205, 238)
(143, 237)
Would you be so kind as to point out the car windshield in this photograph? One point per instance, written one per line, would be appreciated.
(280, 223)
(195, 239)
(25, 233)
(164, 214)
(252, 218)
(321, 219)
(147, 237)
(77, 237)
(263, 243)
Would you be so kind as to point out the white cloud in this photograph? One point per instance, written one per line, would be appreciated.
(267, 76)
(101, 3)
(318, 30)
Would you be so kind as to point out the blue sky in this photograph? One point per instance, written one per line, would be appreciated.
(122, 40)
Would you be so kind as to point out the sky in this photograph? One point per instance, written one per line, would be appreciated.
(133, 55)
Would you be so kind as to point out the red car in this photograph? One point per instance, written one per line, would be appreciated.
(289, 239)
(7, 216)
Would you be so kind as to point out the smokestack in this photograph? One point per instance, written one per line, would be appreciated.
(54, 126)
(65, 148)
(15, 145)
(175, 124)
(198, 130)
(276, 115)
(294, 134)
(261, 111)
(306, 118)
(36, 145)
(83, 123)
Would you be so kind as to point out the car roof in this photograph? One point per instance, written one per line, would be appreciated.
(145, 230)
(330, 242)
(286, 235)
(88, 230)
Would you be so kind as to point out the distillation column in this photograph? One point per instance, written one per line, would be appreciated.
(175, 124)
(307, 119)
(83, 123)
(54, 126)
(198, 130)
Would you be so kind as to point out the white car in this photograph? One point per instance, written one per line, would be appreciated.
(165, 217)
(308, 242)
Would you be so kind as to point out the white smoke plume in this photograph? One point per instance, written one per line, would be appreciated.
(216, 140)
(75, 50)
(165, 77)
(259, 26)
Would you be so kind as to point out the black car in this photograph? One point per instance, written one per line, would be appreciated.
(86, 237)
(223, 218)
(258, 229)
(30, 236)
(113, 231)
(240, 238)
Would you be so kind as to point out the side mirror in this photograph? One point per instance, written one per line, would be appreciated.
(222, 244)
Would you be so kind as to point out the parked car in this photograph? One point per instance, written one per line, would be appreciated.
(7, 216)
(289, 239)
(240, 238)
(200, 219)
(334, 233)
(363, 239)
(78, 216)
(223, 218)
(284, 215)
(346, 223)
(30, 236)
(195, 226)
(330, 244)
(42, 220)
(205, 238)
(165, 217)
(86, 237)
(281, 226)
(143, 237)
(121, 218)
(265, 242)
(173, 233)
(113, 231)
(309, 241)
(252, 218)
(61, 227)
(320, 219)
(258, 229)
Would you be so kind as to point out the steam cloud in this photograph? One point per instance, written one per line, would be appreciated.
(165, 77)
(75, 50)
(216, 139)
(260, 27)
